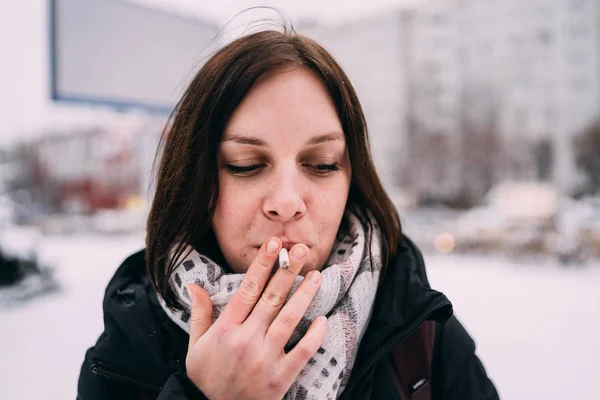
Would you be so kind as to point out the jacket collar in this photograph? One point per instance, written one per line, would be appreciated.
(404, 300)
(404, 295)
(140, 340)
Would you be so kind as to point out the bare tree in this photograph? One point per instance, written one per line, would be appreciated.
(458, 165)
(483, 148)
(544, 158)
(587, 156)
(482, 162)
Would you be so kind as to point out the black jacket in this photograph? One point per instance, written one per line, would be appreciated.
(141, 353)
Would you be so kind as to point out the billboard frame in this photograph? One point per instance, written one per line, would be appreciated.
(122, 106)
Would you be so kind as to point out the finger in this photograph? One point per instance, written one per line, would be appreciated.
(296, 360)
(290, 315)
(243, 301)
(277, 290)
(201, 318)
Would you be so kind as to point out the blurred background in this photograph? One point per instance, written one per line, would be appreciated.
(484, 118)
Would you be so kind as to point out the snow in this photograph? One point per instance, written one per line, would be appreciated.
(20, 241)
(43, 342)
(536, 324)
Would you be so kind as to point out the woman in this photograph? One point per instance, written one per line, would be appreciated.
(268, 150)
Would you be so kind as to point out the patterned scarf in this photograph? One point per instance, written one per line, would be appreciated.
(346, 297)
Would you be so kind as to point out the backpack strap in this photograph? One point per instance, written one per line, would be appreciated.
(412, 360)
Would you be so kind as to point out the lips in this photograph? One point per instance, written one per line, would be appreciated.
(285, 244)
(288, 245)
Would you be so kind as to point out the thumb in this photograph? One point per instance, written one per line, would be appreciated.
(201, 318)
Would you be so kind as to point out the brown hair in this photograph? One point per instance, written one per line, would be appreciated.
(187, 183)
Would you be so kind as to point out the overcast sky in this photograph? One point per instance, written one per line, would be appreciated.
(323, 10)
(25, 105)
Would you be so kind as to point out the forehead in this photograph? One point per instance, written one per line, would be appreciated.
(292, 103)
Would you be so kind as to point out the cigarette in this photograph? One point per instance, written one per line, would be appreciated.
(284, 259)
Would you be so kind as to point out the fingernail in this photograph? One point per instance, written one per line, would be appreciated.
(314, 277)
(272, 246)
(298, 252)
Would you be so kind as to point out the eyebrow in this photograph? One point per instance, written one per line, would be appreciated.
(319, 139)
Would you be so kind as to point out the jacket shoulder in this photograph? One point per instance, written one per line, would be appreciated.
(133, 266)
(139, 341)
(458, 373)
(408, 253)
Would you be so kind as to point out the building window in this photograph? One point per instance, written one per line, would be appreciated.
(545, 11)
(577, 5)
(578, 30)
(432, 68)
(439, 19)
(515, 41)
(486, 47)
(544, 36)
(579, 84)
(440, 42)
(550, 114)
(578, 57)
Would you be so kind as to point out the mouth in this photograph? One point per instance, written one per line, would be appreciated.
(284, 245)
(287, 245)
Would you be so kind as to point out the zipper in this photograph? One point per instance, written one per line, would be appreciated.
(386, 347)
(105, 373)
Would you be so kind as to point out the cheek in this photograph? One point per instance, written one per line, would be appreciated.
(331, 205)
(331, 202)
(227, 212)
(231, 223)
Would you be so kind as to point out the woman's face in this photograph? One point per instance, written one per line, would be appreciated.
(284, 171)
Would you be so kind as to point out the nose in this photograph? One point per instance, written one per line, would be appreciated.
(284, 200)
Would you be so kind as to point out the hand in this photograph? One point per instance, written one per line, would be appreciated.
(241, 355)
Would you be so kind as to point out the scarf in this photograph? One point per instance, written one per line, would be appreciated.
(346, 295)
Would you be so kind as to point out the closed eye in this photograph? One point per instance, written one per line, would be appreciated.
(241, 170)
(324, 169)
(247, 170)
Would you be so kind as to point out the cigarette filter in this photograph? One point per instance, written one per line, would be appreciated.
(284, 259)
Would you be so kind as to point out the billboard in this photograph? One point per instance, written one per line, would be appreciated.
(122, 54)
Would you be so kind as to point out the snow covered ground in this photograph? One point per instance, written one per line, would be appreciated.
(536, 325)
